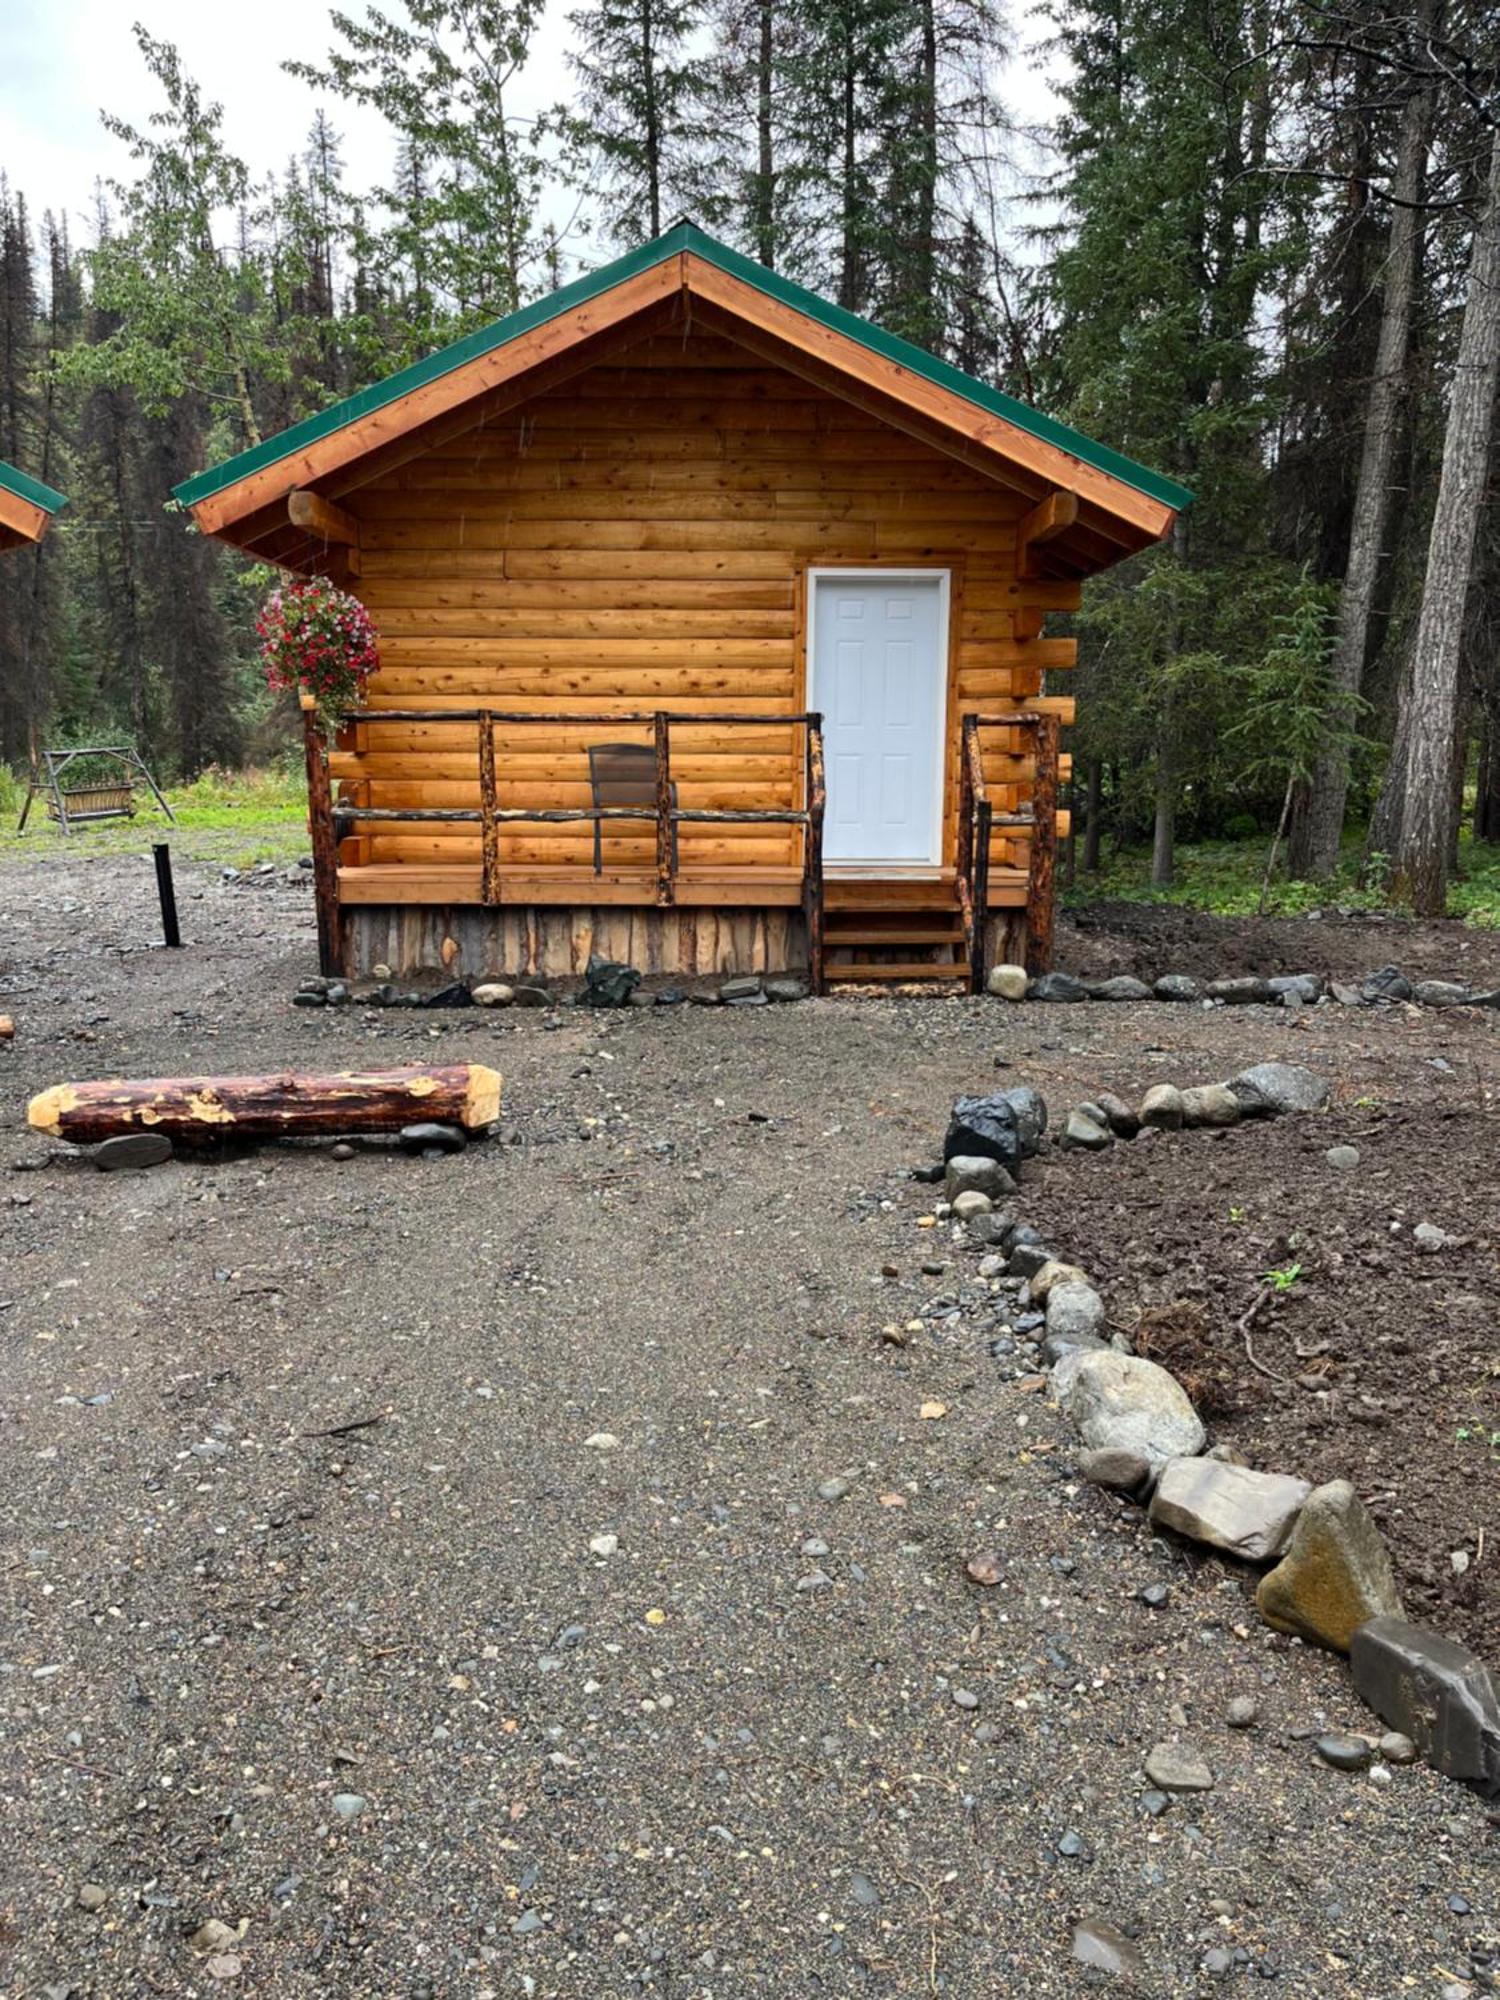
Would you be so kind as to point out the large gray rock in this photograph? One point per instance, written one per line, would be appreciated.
(1436, 1692)
(1057, 986)
(1267, 1089)
(1122, 1402)
(1056, 1345)
(1122, 1121)
(1304, 986)
(1210, 1104)
(1161, 1107)
(1247, 1514)
(1052, 1274)
(1387, 982)
(1439, 993)
(1006, 1126)
(1074, 1310)
(1239, 992)
(1176, 986)
(967, 1174)
(1336, 1573)
(1121, 987)
(1007, 982)
(1120, 1471)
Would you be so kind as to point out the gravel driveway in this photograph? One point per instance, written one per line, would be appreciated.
(416, 1579)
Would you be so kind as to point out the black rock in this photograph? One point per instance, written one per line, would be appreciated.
(786, 989)
(1343, 1752)
(670, 996)
(309, 1000)
(1057, 986)
(532, 996)
(1121, 987)
(1387, 982)
(428, 1137)
(1006, 1126)
(607, 983)
(1056, 1345)
(1436, 1692)
(1026, 1259)
(744, 991)
(456, 994)
(132, 1149)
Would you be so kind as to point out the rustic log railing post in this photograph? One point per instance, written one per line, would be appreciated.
(665, 873)
(963, 873)
(812, 858)
(489, 827)
(324, 845)
(1040, 887)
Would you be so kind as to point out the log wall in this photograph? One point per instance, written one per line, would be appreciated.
(640, 538)
(556, 943)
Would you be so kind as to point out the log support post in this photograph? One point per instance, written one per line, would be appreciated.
(1043, 871)
(666, 890)
(324, 844)
(489, 827)
(815, 803)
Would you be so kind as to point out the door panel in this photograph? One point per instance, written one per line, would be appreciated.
(879, 674)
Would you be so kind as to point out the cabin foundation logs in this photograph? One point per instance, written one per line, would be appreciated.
(205, 1110)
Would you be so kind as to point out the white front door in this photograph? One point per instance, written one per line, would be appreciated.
(877, 654)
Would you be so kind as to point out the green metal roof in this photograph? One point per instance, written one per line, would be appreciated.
(683, 236)
(26, 488)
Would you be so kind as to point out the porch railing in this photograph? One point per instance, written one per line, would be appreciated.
(977, 820)
(330, 820)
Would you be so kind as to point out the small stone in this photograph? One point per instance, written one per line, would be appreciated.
(213, 1935)
(1122, 1121)
(342, 1151)
(864, 1892)
(92, 1897)
(1218, 1963)
(833, 1489)
(817, 1579)
(603, 1545)
(787, 990)
(1243, 1712)
(493, 994)
(348, 1805)
(1161, 1107)
(1073, 1847)
(1155, 1596)
(1396, 1748)
(1154, 1804)
(985, 1569)
(1428, 1238)
(381, 971)
(132, 1149)
(970, 1205)
(1336, 1572)
(1120, 1471)
(1082, 1133)
(1247, 1514)
(527, 1922)
(1344, 1752)
(421, 1138)
(1343, 1159)
(1212, 1104)
(966, 1175)
(532, 996)
(454, 994)
(1099, 1944)
(1173, 1769)
(1176, 986)
(748, 990)
(1007, 982)
(1054, 1272)
(1075, 1313)
(318, 999)
(965, 1698)
(601, 1441)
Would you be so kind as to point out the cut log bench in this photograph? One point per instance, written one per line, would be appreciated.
(204, 1110)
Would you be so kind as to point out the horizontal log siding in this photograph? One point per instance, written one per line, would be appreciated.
(640, 538)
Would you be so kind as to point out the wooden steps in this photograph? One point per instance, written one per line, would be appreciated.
(893, 933)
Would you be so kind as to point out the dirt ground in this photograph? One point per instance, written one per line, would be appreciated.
(754, 1741)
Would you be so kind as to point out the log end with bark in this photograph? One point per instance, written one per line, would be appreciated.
(200, 1110)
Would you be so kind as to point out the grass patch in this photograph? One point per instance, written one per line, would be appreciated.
(1223, 878)
(233, 818)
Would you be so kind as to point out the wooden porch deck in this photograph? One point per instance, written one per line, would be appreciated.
(458, 883)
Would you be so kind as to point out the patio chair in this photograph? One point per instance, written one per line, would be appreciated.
(623, 774)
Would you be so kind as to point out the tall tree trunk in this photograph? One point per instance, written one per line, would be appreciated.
(765, 173)
(1427, 818)
(1487, 787)
(1164, 829)
(1091, 817)
(849, 265)
(1314, 849)
(651, 137)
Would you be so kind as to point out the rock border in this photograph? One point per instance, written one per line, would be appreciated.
(1326, 1575)
(1387, 985)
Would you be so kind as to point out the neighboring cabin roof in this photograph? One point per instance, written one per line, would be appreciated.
(730, 292)
(26, 506)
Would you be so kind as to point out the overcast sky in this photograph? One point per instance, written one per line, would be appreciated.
(63, 61)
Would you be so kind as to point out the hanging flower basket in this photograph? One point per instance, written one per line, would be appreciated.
(321, 642)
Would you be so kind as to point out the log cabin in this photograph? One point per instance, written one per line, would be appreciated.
(26, 508)
(713, 637)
